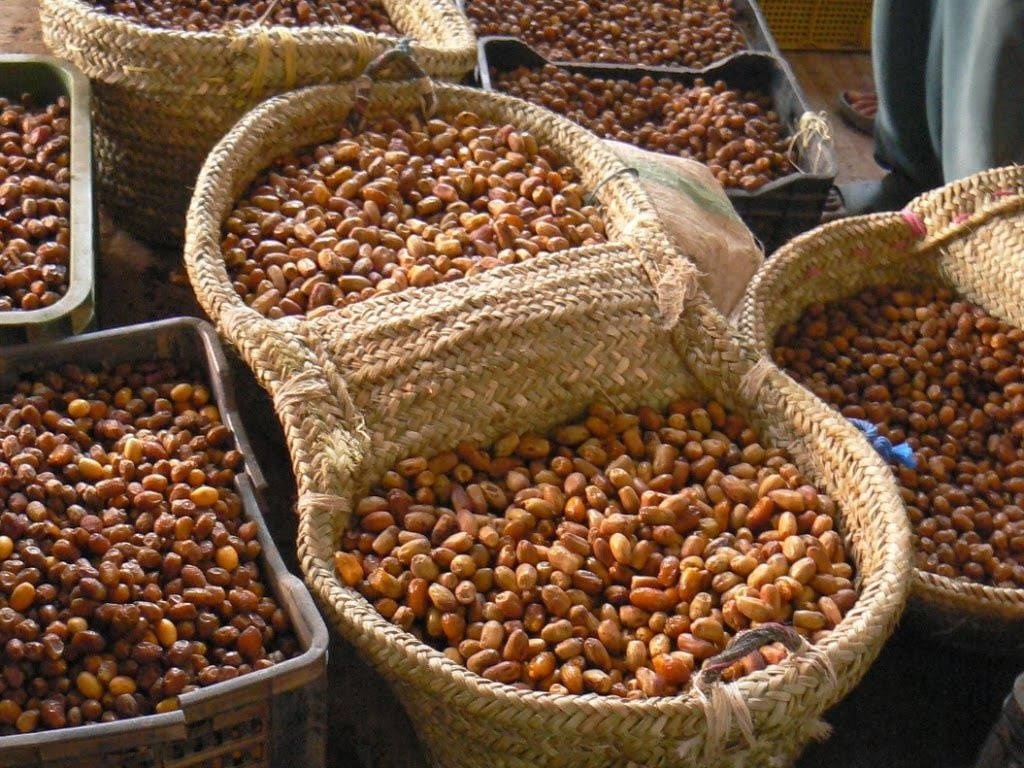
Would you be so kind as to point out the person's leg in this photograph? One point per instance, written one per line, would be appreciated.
(982, 98)
(902, 36)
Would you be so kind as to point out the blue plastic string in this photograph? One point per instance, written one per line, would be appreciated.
(901, 453)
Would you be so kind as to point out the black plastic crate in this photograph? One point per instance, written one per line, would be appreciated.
(776, 212)
(749, 18)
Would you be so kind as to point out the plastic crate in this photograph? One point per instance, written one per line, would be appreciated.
(268, 718)
(825, 25)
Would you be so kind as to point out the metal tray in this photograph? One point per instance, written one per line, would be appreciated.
(778, 211)
(47, 78)
(272, 717)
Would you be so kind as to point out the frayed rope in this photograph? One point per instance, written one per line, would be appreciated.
(309, 383)
(723, 703)
(753, 380)
(813, 130)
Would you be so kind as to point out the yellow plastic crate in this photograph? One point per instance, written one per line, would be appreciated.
(827, 25)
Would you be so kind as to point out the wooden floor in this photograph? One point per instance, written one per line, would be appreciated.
(822, 76)
(19, 27)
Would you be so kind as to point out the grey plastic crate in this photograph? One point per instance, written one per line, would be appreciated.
(268, 718)
(47, 79)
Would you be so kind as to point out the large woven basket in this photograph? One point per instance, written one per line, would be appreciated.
(969, 236)
(525, 347)
(163, 98)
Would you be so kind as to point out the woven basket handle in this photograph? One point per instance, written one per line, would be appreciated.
(400, 57)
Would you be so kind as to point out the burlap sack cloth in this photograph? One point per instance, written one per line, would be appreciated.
(163, 98)
(699, 218)
(969, 236)
(525, 347)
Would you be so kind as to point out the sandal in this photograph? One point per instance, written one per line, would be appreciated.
(858, 108)
(834, 208)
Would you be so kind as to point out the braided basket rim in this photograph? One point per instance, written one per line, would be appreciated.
(227, 33)
(139, 58)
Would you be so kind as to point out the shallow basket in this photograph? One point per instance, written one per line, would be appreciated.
(969, 236)
(520, 347)
(163, 98)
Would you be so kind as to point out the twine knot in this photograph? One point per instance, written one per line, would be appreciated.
(915, 222)
(812, 131)
(752, 381)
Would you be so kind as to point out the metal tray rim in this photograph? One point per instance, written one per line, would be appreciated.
(82, 261)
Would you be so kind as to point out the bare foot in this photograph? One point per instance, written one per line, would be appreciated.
(864, 103)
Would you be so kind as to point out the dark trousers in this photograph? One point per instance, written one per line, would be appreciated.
(950, 82)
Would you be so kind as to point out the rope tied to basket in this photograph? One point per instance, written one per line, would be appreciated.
(323, 502)
(675, 278)
(813, 131)
(752, 381)
(915, 223)
(262, 38)
(401, 58)
(675, 287)
(723, 703)
(303, 386)
(591, 197)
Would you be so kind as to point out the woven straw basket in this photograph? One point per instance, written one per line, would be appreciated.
(163, 98)
(969, 236)
(525, 347)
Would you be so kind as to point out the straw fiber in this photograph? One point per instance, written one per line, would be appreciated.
(525, 347)
(969, 236)
(163, 98)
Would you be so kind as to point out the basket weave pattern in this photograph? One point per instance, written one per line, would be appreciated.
(525, 347)
(969, 236)
(163, 98)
